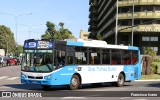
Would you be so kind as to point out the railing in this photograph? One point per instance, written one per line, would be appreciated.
(141, 28)
(145, 14)
(138, 2)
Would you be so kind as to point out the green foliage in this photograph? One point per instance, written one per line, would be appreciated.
(158, 65)
(157, 60)
(6, 39)
(99, 37)
(53, 32)
(19, 49)
(150, 51)
(154, 68)
(96, 36)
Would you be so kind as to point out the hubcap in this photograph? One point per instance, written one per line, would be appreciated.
(120, 80)
(74, 82)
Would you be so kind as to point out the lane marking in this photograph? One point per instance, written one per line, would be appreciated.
(80, 98)
(12, 78)
(4, 87)
(3, 77)
(125, 97)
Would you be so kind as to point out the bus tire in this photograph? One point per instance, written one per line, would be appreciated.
(120, 81)
(46, 87)
(75, 82)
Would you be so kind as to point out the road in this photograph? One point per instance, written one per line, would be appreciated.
(10, 81)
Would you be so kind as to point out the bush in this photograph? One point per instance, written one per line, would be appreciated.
(157, 60)
(154, 69)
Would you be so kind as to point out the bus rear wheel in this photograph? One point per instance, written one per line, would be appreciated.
(75, 82)
(120, 81)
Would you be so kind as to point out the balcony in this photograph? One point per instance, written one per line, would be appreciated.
(92, 27)
(138, 2)
(92, 20)
(90, 1)
(92, 6)
(141, 28)
(139, 15)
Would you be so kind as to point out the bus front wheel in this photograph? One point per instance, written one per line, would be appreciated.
(75, 82)
(120, 81)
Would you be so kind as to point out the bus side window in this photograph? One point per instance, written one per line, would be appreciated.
(126, 57)
(106, 56)
(116, 57)
(134, 57)
(114, 62)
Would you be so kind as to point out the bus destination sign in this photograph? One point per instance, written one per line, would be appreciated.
(43, 44)
(39, 44)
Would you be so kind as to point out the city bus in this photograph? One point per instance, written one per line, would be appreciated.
(74, 62)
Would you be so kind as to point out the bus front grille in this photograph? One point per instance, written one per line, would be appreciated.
(32, 77)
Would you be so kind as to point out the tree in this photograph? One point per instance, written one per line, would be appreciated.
(53, 32)
(150, 51)
(96, 36)
(7, 40)
(99, 37)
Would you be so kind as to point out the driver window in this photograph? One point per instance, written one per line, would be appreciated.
(61, 58)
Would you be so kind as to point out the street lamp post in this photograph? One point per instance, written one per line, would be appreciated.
(16, 21)
(132, 21)
(30, 27)
(116, 33)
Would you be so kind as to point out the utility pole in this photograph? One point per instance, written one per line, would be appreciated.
(132, 22)
(116, 32)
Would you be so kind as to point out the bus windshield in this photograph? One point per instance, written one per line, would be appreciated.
(37, 61)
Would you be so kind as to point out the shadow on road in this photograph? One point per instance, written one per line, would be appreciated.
(57, 88)
(157, 84)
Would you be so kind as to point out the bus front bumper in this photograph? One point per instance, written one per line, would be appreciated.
(42, 82)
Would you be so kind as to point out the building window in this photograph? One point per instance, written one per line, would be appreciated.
(145, 38)
(155, 48)
(124, 10)
(123, 22)
(154, 38)
(157, 8)
(147, 8)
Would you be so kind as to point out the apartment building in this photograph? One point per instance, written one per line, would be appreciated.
(108, 15)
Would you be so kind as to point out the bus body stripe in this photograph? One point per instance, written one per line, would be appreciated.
(75, 43)
(132, 48)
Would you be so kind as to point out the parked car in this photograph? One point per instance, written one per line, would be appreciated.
(13, 62)
(17, 60)
(10, 61)
(3, 61)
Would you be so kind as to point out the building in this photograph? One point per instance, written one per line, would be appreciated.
(146, 32)
(84, 35)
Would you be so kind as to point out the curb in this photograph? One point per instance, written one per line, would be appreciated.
(146, 80)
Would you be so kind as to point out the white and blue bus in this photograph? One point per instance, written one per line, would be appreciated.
(77, 62)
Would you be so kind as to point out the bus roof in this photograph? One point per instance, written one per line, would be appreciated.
(85, 43)
(98, 43)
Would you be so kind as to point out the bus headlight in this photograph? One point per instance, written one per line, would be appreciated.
(47, 77)
(23, 75)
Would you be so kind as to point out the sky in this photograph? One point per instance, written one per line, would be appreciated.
(74, 14)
